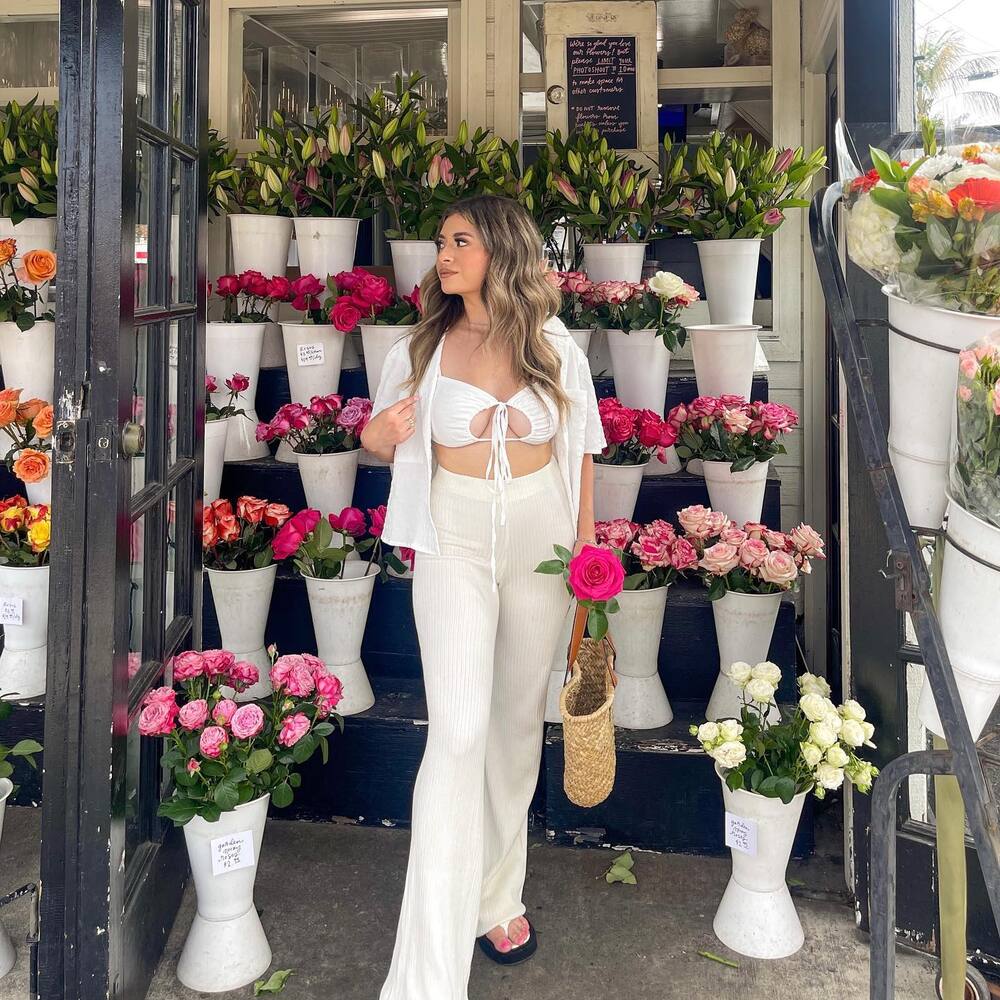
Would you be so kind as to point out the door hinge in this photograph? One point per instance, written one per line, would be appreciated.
(69, 409)
(902, 574)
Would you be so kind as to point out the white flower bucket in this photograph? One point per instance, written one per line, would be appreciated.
(614, 261)
(582, 337)
(260, 243)
(28, 359)
(757, 917)
(411, 260)
(326, 246)
(216, 434)
(924, 343)
(640, 699)
(739, 495)
(8, 954)
(729, 270)
(339, 613)
(226, 948)
(599, 355)
(744, 624)
(352, 350)
(313, 354)
(22, 662)
(32, 234)
(242, 599)
(41, 492)
(970, 597)
(328, 480)
(229, 348)
(616, 490)
(724, 358)
(375, 343)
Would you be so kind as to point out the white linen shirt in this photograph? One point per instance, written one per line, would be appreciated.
(408, 520)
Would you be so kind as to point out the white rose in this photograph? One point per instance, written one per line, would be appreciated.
(666, 285)
(869, 731)
(871, 237)
(739, 673)
(811, 684)
(852, 710)
(852, 733)
(822, 734)
(729, 754)
(730, 729)
(760, 691)
(836, 756)
(811, 754)
(862, 776)
(830, 777)
(767, 671)
(813, 707)
(832, 715)
(708, 732)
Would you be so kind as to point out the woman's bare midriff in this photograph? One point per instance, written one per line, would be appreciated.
(472, 459)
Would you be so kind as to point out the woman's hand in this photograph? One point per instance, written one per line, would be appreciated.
(394, 425)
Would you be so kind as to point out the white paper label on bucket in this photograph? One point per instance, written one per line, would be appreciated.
(11, 610)
(232, 853)
(311, 354)
(741, 834)
(172, 355)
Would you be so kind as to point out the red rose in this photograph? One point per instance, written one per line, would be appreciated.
(238, 383)
(275, 514)
(258, 286)
(414, 299)
(222, 508)
(293, 533)
(280, 289)
(227, 286)
(619, 425)
(209, 536)
(351, 521)
(345, 315)
(596, 574)
(228, 528)
(308, 284)
(251, 509)
(377, 515)
(210, 384)
(650, 427)
(375, 290)
(348, 281)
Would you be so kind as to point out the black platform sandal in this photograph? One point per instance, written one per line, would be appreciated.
(519, 953)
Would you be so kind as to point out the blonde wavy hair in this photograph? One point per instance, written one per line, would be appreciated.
(518, 299)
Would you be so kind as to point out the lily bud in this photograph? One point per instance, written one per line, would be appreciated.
(312, 177)
(9, 152)
(308, 149)
(331, 137)
(398, 155)
(390, 130)
(434, 173)
(273, 180)
(447, 171)
(28, 177)
(422, 134)
(730, 182)
(574, 160)
(27, 194)
(345, 139)
(378, 164)
(642, 191)
(784, 161)
(595, 203)
(463, 133)
(567, 191)
(615, 199)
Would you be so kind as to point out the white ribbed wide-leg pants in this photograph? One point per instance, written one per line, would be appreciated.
(486, 658)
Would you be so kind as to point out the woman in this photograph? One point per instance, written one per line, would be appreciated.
(487, 412)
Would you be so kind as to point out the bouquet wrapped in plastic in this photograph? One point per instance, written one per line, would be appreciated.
(975, 466)
(926, 218)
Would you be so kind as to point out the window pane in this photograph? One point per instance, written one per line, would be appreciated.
(137, 463)
(171, 563)
(712, 33)
(143, 211)
(137, 552)
(147, 68)
(29, 52)
(179, 60)
(288, 80)
(183, 226)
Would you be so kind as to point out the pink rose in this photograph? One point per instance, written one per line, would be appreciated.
(375, 290)
(777, 540)
(964, 393)
(293, 729)
(576, 282)
(345, 315)
(720, 558)
(222, 714)
(247, 721)
(157, 719)
(968, 364)
(210, 384)
(755, 529)
(218, 662)
(348, 281)
(350, 416)
(733, 535)
(293, 532)
(807, 541)
(193, 714)
(752, 553)
(243, 675)
(735, 421)
(351, 521)
(187, 666)
(683, 555)
(715, 523)
(652, 551)
(213, 741)
(299, 681)
(329, 692)
(166, 695)
(595, 574)
(377, 517)
(619, 425)
(619, 533)
(316, 666)
(650, 428)
(778, 568)
(238, 383)
(694, 520)
(227, 286)
(193, 766)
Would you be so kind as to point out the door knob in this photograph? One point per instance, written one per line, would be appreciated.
(133, 439)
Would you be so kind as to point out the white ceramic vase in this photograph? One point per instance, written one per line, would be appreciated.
(242, 599)
(28, 359)
(729, 270)
(325, 246)
(313, 354)
(582, 337)
(226, 948)
(411, 260)
(970, 598)
(339, 613)
(22, 662)
(598, 354)
(260, 243)
(757, 917)
(640, 699)
(216, 434)
(328, 480)
(924, 343)
(724, 358)
(739, 495)
(8, 954)
(229, 348)
(614, 261)
(616, 490)
(40, 492)
(744, 624)
(375, 343)
(32, 234)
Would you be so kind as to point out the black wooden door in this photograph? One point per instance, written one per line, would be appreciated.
(126, 557)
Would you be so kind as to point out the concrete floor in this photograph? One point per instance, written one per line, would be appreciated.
(329, 895)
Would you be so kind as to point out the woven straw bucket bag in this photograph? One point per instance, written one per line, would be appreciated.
(585, 704)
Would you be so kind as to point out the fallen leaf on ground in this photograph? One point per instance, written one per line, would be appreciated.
(273, 985)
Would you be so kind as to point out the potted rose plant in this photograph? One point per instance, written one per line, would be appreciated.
(572, 285)
(746, 570)
(24, 583)
(227, 761)
(767, 767)
(217, 428)
(735, 440)
(325, 437)
(239, 560)
(27, 323)
(28, 424)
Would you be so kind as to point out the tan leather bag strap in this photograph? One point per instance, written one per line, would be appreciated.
(579, 624)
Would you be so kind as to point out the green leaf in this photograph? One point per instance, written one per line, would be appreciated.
(888, 169)
(273, 985)
(226, 796)
(259, 760)
(744, 463)
(304, 749)
(893, 200)
(282, 795)
(564, 554)
(621, 870)
(939, 240)
(718, 958)
(554, 566)
(785, 789)
(24, 747)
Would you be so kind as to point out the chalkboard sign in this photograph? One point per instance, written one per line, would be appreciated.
(601, 87)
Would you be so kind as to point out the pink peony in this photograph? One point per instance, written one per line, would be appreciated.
(293, 532)
(187, 666)
(351, 521)
(619, 533)
(595, 574)
(329, 692)
(213, 741)
(193, 714)
(752, 553)
(243, 675)
(778, 568)
(218, 662)
(157, 719)
(293, 729)
(807, 541)
(222, 714)
(720, 558)
(247, 721)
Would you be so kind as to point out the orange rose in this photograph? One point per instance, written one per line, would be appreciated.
(30, 409)
(11, 519)
(8, 248)
(39, 266)
(8, 406)
(36, 512)
(31, 466)
(43, 422)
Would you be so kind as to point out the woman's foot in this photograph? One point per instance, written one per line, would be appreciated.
(514, 936)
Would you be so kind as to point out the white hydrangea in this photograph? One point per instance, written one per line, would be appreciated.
(739, 673)
(852, 710)
(813, 707)
(852, 733)
(812, 684)
(837, 756)
(871, 237)
(767, 671)
(708, 732)
(760, 691)
(811, 754)
(730, 754)
(830, 777)
(730, 729)
(822, 734)
(938, 166)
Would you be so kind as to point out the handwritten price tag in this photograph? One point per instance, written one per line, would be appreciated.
(172, 354)
(311, 354)
(741, 834)
(11, 610)
(231, 853)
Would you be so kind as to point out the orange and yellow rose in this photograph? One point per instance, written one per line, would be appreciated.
(36, 512)
(8, 406)
(31, 465)
(43, 421)
(39, 535)
(39, 266)
(30, 408)
(8, 250)
(11, 519)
